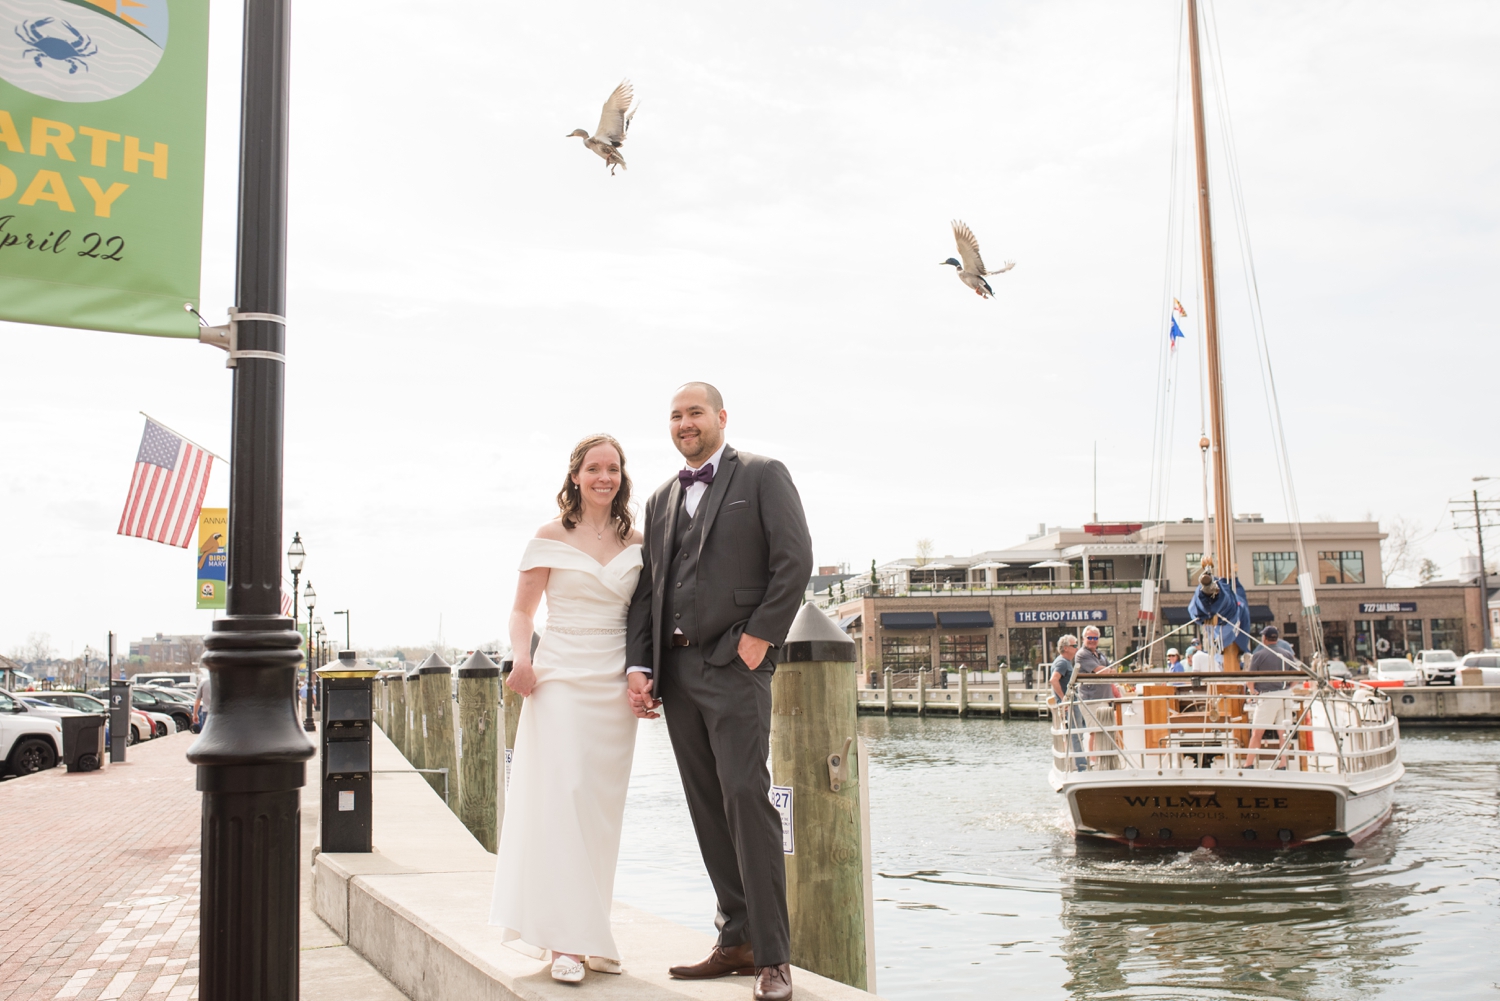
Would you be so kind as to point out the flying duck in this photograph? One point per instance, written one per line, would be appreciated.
(614, 122)
(972, 271)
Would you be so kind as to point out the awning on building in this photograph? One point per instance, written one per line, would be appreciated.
(1176, 616)
(966, 620)
(848, 622)
(1261, 613)
(907, 620)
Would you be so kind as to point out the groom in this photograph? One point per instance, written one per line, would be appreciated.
(727, 558)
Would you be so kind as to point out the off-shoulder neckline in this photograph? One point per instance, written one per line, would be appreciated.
(591, 559)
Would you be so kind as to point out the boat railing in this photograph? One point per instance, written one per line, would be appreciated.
(1303, 727)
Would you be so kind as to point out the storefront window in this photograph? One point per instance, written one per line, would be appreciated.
(1334, 639)
(1026, 647)
(1414, 635)
(906, 653)
(1392, 640)
(1363, 644)
(971, 651)
(1274, 568)
(1194, 567)
(1448, 634)
(1101, 571)
(1342, 567)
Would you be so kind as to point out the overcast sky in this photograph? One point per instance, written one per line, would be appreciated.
(470, 292)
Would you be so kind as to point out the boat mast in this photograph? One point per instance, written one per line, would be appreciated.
(1223, 517)
(1224, 559)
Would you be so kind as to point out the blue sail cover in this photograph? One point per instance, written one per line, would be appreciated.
(1231, 606)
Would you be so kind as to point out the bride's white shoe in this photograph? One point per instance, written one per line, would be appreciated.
(599, 964)
(567, 969)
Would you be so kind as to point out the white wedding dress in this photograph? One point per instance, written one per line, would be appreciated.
(560, 839)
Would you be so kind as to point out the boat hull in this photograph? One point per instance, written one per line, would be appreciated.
(1197, 811)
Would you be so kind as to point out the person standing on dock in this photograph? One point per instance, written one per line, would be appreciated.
(727, 559)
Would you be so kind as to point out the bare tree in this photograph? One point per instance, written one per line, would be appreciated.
(1398, 550)
(924, 552)
(36, 650)
(1428, 571)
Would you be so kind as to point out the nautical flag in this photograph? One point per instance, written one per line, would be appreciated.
(166, 490)
(1175, 335)
(1177, 308)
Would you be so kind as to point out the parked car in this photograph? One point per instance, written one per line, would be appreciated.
(1338, 669)
(171, 702)
(29, 741)
(1488, 662)
(1395, 669)
(1437, 667)
(168, 678)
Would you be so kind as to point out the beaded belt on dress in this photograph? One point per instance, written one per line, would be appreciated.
(586, 631)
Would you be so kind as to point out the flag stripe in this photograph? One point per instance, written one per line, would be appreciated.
(146, 503)
(167, 501)
(186, 494)
(142, 486)
(186, 524)
(135, 478)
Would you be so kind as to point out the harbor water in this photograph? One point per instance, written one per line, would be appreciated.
(981, 887)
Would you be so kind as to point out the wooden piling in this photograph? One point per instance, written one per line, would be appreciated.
(512, 720)
(963, 691)
(816, 768)
(396, 715)
(921, 693)
(887, 672)
(1005, 691)
(413, 748)
(479, 726)
(436, 680)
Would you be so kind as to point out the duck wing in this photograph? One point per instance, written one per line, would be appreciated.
(968, 248)
(614, 120)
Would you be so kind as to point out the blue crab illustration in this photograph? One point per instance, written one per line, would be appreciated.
(60, 49)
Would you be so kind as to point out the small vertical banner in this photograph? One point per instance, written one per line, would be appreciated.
(213, 556)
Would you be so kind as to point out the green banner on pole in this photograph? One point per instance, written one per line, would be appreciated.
(103, 105)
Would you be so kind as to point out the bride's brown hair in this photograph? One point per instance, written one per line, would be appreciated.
(570, 499)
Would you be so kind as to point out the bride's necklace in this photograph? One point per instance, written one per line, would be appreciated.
(598, 532)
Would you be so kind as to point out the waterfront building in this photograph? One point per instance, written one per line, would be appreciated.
(1009, 606)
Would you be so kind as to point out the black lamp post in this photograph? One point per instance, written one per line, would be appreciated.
(312, 679)
(295, 557)
(251, 757)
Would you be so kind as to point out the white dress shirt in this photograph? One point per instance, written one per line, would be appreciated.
(693, 495)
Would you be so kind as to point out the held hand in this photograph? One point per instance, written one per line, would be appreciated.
(752, 650)
(639, 696)
(522, 679)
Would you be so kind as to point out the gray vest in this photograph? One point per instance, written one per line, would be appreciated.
(682, 577)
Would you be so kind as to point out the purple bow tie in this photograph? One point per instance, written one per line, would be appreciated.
(704, 474)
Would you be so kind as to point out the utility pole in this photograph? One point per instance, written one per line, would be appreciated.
(1479, 509)
(251, 756)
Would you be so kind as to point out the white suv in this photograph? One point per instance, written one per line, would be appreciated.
(28, 741)
(1488, 662)
(1437, 667)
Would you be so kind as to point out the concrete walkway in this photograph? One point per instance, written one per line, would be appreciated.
(417, 907)
(99, 887)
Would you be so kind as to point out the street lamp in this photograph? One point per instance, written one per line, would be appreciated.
(347, 644)
(295, 557)
(311, 597)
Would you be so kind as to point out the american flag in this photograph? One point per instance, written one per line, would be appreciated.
(166, 491)
(286, 600)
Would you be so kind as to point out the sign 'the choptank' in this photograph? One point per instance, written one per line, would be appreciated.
(102, 114)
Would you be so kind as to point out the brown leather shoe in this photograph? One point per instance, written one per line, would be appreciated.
(724, 961)
(773, 983)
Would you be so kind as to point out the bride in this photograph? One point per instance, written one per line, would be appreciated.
(560, 839)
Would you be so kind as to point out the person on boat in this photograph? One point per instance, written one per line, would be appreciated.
(1062, 673)
(1174, 660)
(1271, 709)
(1091, 661)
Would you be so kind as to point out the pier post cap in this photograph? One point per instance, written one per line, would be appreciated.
(434, 664)
(816, 637)
(479, 666)
(349, 665)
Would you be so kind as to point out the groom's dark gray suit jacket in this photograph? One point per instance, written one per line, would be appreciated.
(751, 563)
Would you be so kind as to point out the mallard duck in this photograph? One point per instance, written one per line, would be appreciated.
(614, 122)
(972, 271)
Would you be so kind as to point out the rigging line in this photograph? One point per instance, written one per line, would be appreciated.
(1252, 286)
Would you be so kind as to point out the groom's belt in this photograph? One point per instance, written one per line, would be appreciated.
(680, 640)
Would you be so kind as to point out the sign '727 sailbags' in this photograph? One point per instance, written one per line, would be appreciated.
(103, 107)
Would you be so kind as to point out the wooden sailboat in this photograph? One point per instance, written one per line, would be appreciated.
(1174, 760)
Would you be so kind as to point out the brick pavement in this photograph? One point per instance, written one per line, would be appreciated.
(99, 880)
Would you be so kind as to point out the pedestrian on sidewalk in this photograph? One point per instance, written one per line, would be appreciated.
(200, 704)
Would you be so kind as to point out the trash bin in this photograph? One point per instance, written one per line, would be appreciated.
(83, 742)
